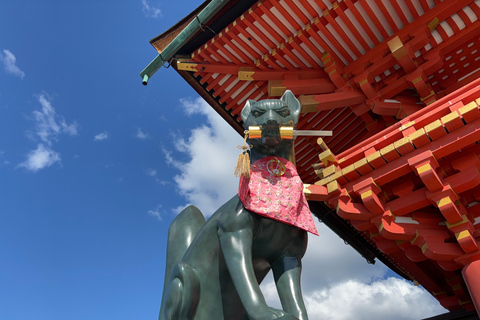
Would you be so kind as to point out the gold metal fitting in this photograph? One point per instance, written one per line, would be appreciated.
(286, 132)
(254, 132)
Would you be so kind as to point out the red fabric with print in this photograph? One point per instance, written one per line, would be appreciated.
(274, 190)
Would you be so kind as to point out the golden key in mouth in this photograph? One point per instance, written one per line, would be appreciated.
(255, 132)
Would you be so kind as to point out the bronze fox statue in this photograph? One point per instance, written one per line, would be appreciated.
(214, 267)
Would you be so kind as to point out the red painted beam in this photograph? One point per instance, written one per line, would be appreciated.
(331, 100)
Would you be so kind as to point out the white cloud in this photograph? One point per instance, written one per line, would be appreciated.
(10, 64)
(141, 135)
(207, 179)
(101, 136)
(337, 283)
(151, 172)
(40, 158)
(392, 298)
(151, 11)
(170, 160)
(157, 212)
(2, 155)
(341, 260)
(48, 126)
(71, 129)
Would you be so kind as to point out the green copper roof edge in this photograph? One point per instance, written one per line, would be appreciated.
(193, 27)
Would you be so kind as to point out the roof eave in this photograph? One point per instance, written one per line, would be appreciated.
(182, 38)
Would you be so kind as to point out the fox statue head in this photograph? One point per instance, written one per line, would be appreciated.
(270, 115)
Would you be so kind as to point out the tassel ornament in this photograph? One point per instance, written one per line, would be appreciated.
(243, 163)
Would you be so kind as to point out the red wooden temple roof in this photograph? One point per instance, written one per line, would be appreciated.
(367, 70)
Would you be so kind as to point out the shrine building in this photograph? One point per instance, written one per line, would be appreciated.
(398, 83)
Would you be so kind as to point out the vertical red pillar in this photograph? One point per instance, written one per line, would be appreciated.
(471, 275)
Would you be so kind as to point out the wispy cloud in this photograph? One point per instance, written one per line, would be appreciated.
(2, 158)
(141, 135)
(170, 160)
(151, 11)
(101, 136)
(40, 158)
(48, 126)
(157, 212)
(10, 64)
(153, 173)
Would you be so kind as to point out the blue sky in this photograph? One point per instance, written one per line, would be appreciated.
(94, 166)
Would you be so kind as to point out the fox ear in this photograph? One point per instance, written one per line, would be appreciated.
(246, 109)
(293, 103)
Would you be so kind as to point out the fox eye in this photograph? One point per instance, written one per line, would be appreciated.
(284, 113)
(257, 113)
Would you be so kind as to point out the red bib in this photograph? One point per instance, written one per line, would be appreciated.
(274, 190)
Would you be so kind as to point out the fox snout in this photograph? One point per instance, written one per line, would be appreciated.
(271, 128)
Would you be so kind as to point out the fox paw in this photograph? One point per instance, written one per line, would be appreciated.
(269, 313)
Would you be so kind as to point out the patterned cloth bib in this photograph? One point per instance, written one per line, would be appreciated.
(274, 190)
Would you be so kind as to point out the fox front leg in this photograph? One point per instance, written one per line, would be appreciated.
(286, 272)
(235, 233)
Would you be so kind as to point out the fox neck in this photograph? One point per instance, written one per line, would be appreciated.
(285, 149)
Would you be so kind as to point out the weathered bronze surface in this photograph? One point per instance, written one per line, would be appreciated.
(214, 268)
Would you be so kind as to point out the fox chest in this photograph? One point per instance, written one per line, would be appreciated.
(273, 239)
